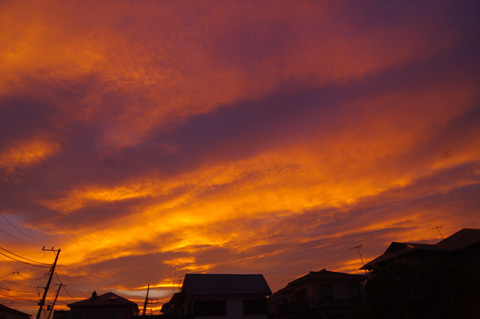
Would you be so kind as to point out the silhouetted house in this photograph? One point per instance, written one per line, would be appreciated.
(104, 306)
(463, 246)
(220, 295)
(9, 313)
(427, 280)
(319, 294)
(61, 314)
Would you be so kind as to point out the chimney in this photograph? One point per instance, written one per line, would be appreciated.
(94, 295)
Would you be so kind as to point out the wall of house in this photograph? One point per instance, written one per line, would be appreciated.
(234, 308)
(307, 296)
(98, 312)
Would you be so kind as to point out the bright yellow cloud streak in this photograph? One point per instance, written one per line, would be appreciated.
(79, 198)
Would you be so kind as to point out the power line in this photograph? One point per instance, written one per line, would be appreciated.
(14, 298)
(68, 293)
(66, 276)
(24, 262)
(16, 283)
(8, 274)
(18, 238)
(38, 262)
(13, 225)
(25, 292)
(18, 273)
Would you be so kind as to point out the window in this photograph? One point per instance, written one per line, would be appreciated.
(354, 291)
(301, 300)
(209, 308)
(326, 291)
(255, 307)
(301, 294)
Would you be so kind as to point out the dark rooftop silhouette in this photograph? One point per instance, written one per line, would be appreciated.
(225, 284)
(458, 241)
(106, 299)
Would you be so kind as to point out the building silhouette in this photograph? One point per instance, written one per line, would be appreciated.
(229, 296)
(319, 294)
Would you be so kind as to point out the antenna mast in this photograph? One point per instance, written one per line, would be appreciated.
(361, 258)
(438, 228)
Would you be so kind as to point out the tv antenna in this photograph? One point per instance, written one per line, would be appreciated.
(359, 253)
(438, 229)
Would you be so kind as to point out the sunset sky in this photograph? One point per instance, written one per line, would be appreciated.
(149, 139)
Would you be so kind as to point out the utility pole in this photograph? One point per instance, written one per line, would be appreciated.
(54, 301)
(146, 301)
(42, 302)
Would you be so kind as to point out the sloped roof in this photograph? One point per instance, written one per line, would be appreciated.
(108, 299)
(177, 298)
(225, 284)
(5, 309)
(323, 274)
(461, 239)
(397, 249)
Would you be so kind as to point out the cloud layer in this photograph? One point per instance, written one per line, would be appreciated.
(148, 140)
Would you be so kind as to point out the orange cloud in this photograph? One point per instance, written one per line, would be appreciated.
(27, 154)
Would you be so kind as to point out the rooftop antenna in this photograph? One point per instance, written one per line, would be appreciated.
(438, 228)
(359, 253)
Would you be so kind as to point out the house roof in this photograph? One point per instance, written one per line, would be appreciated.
(322, 275)
(177, 298)
(461, 239)
(225, 284)
(5, 309)
(108, 299)
(325, 274)
(398, 249)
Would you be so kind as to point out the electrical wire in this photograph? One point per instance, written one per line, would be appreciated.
(38, 262)
(8, 274)
(21, 232)
(25, 292)
(16, 283)
(24, 262)
(18, 273)
(16, 298)
(68, 293)
(24, 241)
(65, 275)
